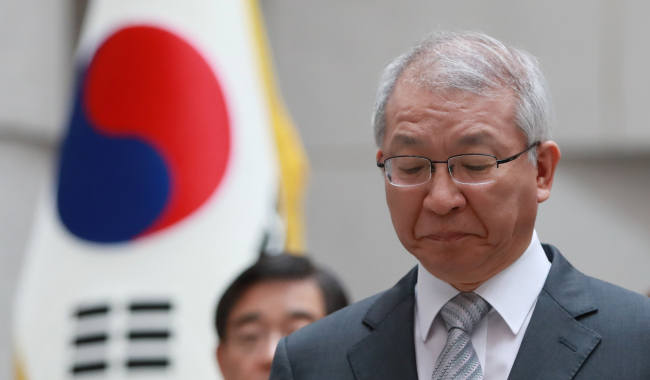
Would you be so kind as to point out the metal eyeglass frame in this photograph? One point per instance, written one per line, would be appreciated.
(499, 162)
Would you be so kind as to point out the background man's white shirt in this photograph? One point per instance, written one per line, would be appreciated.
(512, 293)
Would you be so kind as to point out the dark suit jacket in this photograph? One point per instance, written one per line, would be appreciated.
(582, 328)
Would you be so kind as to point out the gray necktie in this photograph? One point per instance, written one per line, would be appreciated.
(458, 360)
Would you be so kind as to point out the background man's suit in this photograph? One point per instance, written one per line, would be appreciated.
(582, 328)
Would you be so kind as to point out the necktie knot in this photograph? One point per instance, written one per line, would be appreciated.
(465, 311)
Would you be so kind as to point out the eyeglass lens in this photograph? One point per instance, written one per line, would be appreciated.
(467, 169)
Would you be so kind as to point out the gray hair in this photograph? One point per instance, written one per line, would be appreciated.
(476, 63)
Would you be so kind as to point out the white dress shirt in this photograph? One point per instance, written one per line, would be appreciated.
(497, 338)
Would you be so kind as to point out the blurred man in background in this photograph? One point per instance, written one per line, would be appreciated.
(462, 126)
(275, 297)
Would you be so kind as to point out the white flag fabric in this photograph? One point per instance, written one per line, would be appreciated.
(169, 182)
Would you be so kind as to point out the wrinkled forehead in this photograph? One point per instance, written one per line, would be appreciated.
(416, 113)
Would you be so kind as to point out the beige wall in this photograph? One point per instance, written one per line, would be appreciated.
(329, 56)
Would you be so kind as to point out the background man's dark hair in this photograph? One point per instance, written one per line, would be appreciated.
(278, 268)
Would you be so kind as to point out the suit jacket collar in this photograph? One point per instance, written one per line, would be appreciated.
(556, 344)
(567, 285)
(388, 352)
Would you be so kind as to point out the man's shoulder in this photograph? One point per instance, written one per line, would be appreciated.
(351, 324)
(343, 326)
(618, 304)
(320, 350)
(604, 307)
(621, 322)
(327, 349)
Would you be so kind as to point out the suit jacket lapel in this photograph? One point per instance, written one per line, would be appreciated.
(388, 352)
(556, 344)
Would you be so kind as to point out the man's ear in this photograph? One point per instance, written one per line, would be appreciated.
(548, 156)
(220, 355)
(379, 154)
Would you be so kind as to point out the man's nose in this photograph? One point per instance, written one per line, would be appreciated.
(269, 350)
(444, 195)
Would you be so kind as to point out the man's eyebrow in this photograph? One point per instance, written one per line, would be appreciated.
(406, 140)
(300, 314)
(475, 139)
(246, 318)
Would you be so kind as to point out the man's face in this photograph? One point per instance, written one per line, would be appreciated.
(266, 312)
(462, 234)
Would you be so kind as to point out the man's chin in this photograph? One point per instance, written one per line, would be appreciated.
(449, 248)
(448, 260)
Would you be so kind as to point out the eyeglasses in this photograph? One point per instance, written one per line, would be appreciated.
(468, 169)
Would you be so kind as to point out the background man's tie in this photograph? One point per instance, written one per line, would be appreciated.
(458, 360)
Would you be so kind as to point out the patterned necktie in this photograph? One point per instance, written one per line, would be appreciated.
(458, 360)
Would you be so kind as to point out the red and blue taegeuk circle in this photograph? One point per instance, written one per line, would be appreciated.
(149, 138)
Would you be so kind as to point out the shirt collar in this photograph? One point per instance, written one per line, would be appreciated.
(511, 302)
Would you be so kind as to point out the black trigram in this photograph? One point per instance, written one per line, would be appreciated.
(148, 335)
(143, 338)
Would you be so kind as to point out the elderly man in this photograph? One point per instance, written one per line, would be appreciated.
(462, 126)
